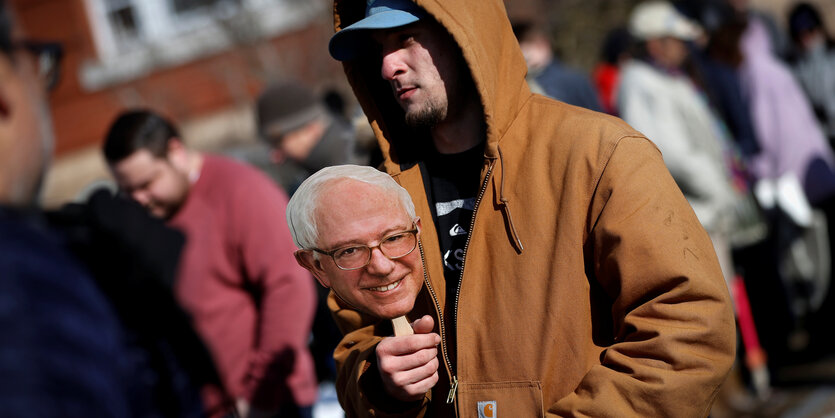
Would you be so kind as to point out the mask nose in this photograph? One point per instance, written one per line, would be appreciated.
(379, 265)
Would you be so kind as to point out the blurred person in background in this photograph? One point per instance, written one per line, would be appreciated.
(615, 52)
(547, 74)
(788, 132)
(248, 299)
(814, 62)
(659, 99)
(716, 64)
(74, 344)
(303, 135)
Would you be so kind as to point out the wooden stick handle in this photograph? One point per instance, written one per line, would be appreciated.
(401, 326)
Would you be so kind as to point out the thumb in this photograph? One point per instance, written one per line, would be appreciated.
(424, 325)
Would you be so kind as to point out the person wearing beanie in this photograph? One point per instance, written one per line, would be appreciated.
(302, 135)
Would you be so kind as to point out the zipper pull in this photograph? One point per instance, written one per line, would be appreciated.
(451, 397)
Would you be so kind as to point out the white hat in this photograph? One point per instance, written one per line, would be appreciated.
(656, 19)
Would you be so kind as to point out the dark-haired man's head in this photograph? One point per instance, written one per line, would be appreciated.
(26, 137)
(149, 161)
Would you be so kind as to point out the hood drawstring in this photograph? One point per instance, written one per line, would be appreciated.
(506, 208)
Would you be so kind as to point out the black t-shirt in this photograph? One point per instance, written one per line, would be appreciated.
(453, 187)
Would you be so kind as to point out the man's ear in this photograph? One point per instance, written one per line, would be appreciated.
(306, 259)
(177, 153)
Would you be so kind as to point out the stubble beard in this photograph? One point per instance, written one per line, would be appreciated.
(427, 116)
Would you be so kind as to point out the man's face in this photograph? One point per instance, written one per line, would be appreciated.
(668, 51)
(352, 212)
(159, 184)
(424, 67)
(26, 137)
(537, 51)
(297, 144)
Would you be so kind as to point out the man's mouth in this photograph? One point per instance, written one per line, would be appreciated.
(405, 92)
(387, 287)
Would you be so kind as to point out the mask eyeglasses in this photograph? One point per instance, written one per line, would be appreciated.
(394, 246)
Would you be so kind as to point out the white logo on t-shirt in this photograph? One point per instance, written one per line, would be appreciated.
(457, 230)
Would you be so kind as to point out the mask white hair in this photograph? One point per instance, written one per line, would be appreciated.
(301, 211)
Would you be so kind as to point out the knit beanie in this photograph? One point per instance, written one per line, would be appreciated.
(285, 107)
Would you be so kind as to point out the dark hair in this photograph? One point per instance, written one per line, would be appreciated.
(725, 40)
(525, 30)
(803, 17)
(617, 44)
(5, 29)
(135, 130)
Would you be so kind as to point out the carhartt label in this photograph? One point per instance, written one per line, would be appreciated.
(487, 409)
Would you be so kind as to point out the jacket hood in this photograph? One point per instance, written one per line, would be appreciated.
(483, 32)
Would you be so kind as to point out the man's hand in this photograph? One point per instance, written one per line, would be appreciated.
(409, 364)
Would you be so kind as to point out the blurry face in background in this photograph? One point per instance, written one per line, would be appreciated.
(813, 39)
(161, 185)
(26, 137)
(739, 5)
(537, 51)
(668, 52)
(297, 144)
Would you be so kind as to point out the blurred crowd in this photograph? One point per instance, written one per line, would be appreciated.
(178, 292)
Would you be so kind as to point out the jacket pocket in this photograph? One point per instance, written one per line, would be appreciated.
(500, 400)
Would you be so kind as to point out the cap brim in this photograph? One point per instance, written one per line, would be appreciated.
(349, 43)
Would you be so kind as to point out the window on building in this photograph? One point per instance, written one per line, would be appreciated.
(135, 37)
(121, 16)
(185, 6)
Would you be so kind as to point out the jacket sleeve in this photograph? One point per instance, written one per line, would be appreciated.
(358, 384)
(280, 364)
(673, 326)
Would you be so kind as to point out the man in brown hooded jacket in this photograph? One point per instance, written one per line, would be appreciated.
(566, 272)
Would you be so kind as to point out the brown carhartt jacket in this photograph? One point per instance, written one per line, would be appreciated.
(589, 287)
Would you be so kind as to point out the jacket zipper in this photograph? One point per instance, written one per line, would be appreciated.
(441, 326)
(454, 385)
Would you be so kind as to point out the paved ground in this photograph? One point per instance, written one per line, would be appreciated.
(799, 391)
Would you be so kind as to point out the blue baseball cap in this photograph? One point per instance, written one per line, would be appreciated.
(349, 42)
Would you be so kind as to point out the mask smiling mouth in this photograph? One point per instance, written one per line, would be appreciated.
(386, 288)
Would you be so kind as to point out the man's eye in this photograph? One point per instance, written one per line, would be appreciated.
(395, 238)
(406, 38)
(347, 252)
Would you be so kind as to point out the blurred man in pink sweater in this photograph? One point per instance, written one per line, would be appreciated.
(249, 300)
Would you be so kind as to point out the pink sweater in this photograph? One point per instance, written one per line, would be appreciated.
(249, 299)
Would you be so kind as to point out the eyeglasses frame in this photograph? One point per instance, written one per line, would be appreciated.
(414, 231)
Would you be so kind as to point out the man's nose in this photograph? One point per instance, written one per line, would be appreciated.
(379, 264)
(392, 64)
